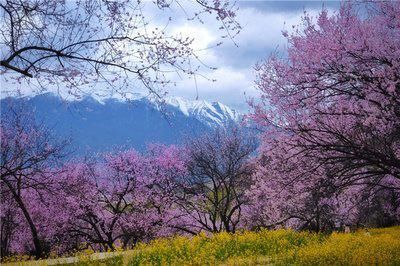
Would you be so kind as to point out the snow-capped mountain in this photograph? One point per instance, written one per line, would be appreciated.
(211, 114)
(101, 124)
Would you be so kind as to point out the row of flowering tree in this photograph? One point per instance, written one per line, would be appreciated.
(121, 197)
(54, 204)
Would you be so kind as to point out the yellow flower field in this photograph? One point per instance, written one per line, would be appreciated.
(265, 247)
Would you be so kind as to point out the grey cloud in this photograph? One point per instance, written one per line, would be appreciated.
(288, 6)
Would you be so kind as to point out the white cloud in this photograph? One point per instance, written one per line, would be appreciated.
(201, 35)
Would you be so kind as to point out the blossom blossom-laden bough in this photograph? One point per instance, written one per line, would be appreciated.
(80, 43)
(331, 113)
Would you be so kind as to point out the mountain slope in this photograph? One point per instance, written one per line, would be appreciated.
(103, 125)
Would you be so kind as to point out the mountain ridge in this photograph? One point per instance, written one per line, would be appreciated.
(104, 124)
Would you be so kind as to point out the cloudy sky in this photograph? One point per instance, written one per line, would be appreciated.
(262, 22)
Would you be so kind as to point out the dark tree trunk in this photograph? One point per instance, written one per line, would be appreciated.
(35, 237)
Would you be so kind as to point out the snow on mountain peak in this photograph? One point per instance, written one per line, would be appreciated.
(212, 114)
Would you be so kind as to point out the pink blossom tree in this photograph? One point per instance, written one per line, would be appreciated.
(337, 95)
(126, 197)
(330, 110)
(29, 157)
(282, 194)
